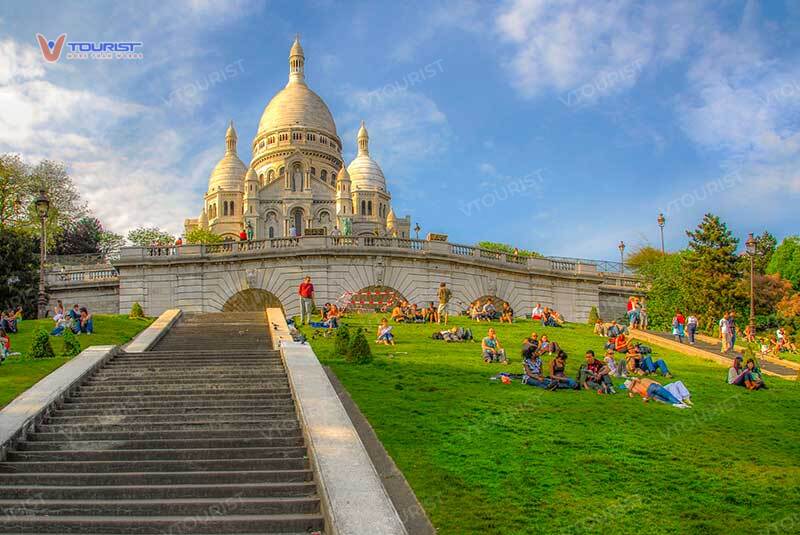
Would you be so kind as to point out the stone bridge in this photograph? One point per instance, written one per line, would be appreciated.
(255, 274)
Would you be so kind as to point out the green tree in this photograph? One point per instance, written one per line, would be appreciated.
(712, 270)
(202, 236)
(786, 260)
(643, 256)
(147, 236)
(110, 244)
(667, 290)
(80, 237)
(136, 311)
(765, 248)
(341, 344)
(593, 316)
(19, 275)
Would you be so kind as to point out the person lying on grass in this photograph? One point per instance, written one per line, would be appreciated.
(492, 349)
(649, 389)
(595, 375)
(384, 333)
(558, 376)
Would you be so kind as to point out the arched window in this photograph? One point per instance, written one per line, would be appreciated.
(251, 209)
(271, 232)
(313, 173)
(369, 207)
(270, 176)
(261, 178)
(324, 176)
(224, 207)
(230, 208)
(363, 207)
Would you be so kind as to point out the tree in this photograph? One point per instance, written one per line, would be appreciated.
(765, 248)
(147, 236)
(136, 311)
(13, 190)
(72, 347)
(19, 275)
(202, 236)
(110, 244)
(41, 347)
(505, 248)
(667, 290)
(786, 260)
(593, 316)
(643, 256)
(341, 345)
(360, 352)
(769, 290)
(712, 270)
(80, 237)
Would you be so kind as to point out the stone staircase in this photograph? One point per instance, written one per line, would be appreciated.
(199, 435)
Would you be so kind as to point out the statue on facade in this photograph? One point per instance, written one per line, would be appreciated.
(347, 226)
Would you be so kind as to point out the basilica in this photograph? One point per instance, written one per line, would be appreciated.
(297, 182)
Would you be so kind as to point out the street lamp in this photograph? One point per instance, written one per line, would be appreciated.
(621, 248)
(417, 228)
(661, 221)
(750, 245)
(42, 207)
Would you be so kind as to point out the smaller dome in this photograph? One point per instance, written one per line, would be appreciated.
(228, 174)
(390, 218)
(342, 175)
(365, 172)
(296, 49)
(251, 175)
(202, 221)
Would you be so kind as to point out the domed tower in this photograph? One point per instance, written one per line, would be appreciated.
(223, 200)
(344, 199)
(371, 200)
(251, 203)
(297, 154)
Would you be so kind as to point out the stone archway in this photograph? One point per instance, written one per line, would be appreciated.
(372, 298)
(252, 300)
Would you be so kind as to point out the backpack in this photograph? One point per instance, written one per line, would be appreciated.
(437, 336)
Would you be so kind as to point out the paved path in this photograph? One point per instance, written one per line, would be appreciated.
(715, 349)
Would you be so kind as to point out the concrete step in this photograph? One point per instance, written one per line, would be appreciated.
(187, 408)
(191, 399)
(239, 432)
(163, 454)
(137, 492)
(136, 418)
(209, 524)
(154, 378)
(184, 465)
(155, 478)
(281, 422)
(160, 444)
(145, 389)
(239, 505)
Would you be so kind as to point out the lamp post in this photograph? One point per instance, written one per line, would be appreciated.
(42, 207)
(621, 248)
(661, 221)
(417, 228)
(750, 245)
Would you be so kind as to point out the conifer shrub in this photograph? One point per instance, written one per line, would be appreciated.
(341, 345)
(136, 311)
(72, 347)
(593, 316)
(360, 352)
(41, 347)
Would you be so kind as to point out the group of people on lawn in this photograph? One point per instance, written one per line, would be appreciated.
(78, 319)
(9, 324)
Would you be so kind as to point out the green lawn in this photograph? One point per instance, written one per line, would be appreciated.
(19, 373)
(489, 458)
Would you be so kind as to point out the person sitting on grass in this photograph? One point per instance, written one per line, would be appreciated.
(649, 389)
(18, 315)
(332, 316)
(783, 342)
(595, 375)
(7, 321)
(621, 344)
(754, 379)
(646, 361)
(85, 323)
(397, 314)
(431, 314)
(558, 377)
(633, 360)
(492, 349)
(5, 345)
(384, 333)
(614, 330)
(617, 369)
(599, 328)
(532, 364)
(489, 311)
(537, 312)
(531, 343)
(415, 314)
(546, 346)
(507, 314)
(557, 318)
(75, 313)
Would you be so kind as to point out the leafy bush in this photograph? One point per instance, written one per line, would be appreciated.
(72, 347)
(508, 249)
(41, 347)
(341, 344)
(136, 311)
(202, 236)
(360, 352)
(593, 316)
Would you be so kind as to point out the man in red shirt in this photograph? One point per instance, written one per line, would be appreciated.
(306, 292)
(242, 235)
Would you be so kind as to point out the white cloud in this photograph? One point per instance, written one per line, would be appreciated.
(566, 44)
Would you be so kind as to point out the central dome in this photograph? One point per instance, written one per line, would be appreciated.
(296, 104)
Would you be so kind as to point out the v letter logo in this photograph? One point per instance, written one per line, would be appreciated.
(51, 50)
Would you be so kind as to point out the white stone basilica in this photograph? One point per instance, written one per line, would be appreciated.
(297, 179)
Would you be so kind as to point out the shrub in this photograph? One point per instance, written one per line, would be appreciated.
(41, 347)
(341, 344)
(72, 347)
(136, 311)
(593, 316)
(360, 352)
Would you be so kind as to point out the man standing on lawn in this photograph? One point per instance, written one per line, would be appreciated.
(306, 292)
(444, 295)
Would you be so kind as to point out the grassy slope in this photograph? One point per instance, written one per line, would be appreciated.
(484, 457)
(19, 373)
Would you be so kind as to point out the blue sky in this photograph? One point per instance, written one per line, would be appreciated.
(563, 127)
